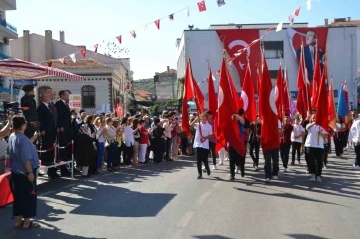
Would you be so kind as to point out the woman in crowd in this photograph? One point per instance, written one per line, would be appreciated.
(339, 136)
(136, 133)
(24, 163)
(87, 146)
(4, 132)
(314, 147)
(158, 141)
(110, 144)
(99, 125)
(297, 136)
(177, 141)
(119, 139)
(254, 141)
(143, 141)
(201, 143)
(128, 138)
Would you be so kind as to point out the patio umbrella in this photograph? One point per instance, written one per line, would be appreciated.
(19, 69)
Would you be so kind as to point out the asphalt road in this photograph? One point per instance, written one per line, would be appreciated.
(167, 201)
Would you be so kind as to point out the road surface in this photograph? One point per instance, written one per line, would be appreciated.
(167, 201)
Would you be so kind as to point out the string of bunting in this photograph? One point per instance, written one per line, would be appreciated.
(290, 18)
(201, 5)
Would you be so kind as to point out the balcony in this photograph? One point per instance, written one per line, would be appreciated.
(8, 5)
(7, 30)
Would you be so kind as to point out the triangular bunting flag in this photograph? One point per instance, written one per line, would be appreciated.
(220, 3)
(187, 12)
(308, 5)
(157, 23)
(297, 12)
(73, 57)
(119, 38)
(279, 27)
(291, 19)
(62, 60)
(49, 63)
(133, 33)
(201, 6)
(83, 52)
(144, 28)
(96, 47)
(171, 17)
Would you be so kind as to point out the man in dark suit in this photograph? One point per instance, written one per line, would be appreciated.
(309, 54)
(48, 132)
(64, 125)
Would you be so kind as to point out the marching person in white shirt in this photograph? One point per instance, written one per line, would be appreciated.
(354, 134)
(201, 142)
(297, 136)
(314, 146)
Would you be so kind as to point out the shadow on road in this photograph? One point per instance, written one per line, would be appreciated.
(211, 237)
(304, 236)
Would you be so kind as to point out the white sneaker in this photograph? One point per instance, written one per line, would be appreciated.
(313, 178)
(214, 167)
(267, 180)
(318, 179)
(285, 170)
(204, 169)
(275, 177)
(237, 171)
(227, 159)
(221, 164)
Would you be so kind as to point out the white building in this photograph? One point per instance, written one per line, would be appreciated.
(343, 41)
(107, 75)
(7, 31)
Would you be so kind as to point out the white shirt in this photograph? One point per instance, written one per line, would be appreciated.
(206, 130)
(129, 136)
(297, 131)
(99, 134)
(354, 134)
(312, 138)
(279, 124)
(168, 128)
(339, 127)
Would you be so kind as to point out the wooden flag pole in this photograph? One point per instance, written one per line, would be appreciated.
(304, 77)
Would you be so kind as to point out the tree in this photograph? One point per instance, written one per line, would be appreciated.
(155, 109)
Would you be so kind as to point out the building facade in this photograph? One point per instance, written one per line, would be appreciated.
(342, 42)
(166, 85)
(7, 31)
(36, 48)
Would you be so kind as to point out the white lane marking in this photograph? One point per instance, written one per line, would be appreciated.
(186, 219)
(202, 198)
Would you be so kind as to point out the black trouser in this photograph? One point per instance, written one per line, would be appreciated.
(339, 146)
(25, 203)
(168, 148)
(296, 147)
(315, 157)
(357, 159)
(284, 153)
(184, 142)
(118, 156)
(271, 155)
(202, 157)
(212, 146)
(128, 154)
(326, 153)
(47, 158)
(239, 164)
(236, 159)
(255, 146)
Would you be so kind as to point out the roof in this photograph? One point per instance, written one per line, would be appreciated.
(171, 71)
(85, 63)
(346, 23)
(142, 95)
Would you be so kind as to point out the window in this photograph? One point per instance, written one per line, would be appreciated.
(41, 90)
(273, 76)
(273, 49)
(88, 96)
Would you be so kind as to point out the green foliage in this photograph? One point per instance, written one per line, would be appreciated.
(144, 84)
(144, 111)
(172, 103)
(155, 109)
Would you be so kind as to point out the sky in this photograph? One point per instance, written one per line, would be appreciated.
(90, 22)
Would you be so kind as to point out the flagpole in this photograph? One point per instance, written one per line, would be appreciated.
(281, 92)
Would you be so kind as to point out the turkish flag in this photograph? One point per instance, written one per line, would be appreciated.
(238, 100)
(157, 23)
(191, 91)
(119, 38)
(286, 96)
(227, 130)
(279, 91)
(212, 102)
(83, 53)
(316, 80)
(119, 110)
(321, 102)
(331, 105)
(267, 111)
(201, 6)
(248, 96)
(237, 39)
